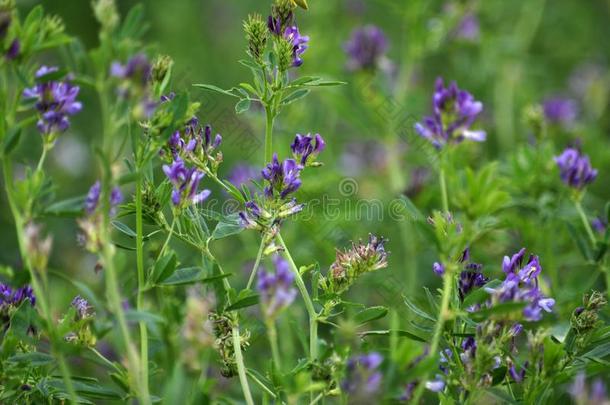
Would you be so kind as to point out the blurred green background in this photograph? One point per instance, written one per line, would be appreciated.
(527, 51)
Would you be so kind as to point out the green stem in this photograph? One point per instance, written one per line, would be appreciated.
(43, 156)
(259, 255)
(141, 283)
(444, 189)
(585, 222)
(114, 299)
(272, 334)
(241, 368)
(38, 290)
(438, 331)
(268, 134)
(313, 316)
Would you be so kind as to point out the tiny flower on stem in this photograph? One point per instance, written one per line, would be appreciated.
(55, 102)
(454, 112)
(575, 168)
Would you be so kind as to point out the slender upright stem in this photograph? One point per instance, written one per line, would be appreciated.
(269, 134)
(438, 330)
(313, 316)
(141, 283)
(585, 222)
(272, 334)
(43, 156)
(241, 368)
(259, 255)
(444, 189)
(114, 299)
(38, 289)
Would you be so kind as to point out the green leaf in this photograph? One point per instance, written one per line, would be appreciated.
(191, 275)
(164, 267)
(417, 311)
(121, 227)
(370, 314)
(479, 295)
(303, 80)
(242, 106)
(399, 332)
(246, 298)
(325, 83)
(497, 309)
(294, 96)
(229, 225)
(213, 88)
(71, 207)
(12, 140)
(34, 359)
(148, 317)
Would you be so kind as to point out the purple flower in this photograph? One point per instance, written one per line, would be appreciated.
(575, 168)
(306, 148)
(13, 50)
(299, 42)
(362, 374)
(469, 28)
(599, 224)
(454, 112)
(243, 174)
(92, 199)
(195, 141)
(366, 48)
(559, 110)
(14, 298)
(521, 285)
(517, 375)
(283, 178)
(436, 385)
(469, 280)
(55, 102)
(438, 269)
(277, 290)
(186, 182)
(137, 68)
(81, 306)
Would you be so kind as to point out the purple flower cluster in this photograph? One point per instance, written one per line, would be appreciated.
(81, 306)
(596, 393)
(11, 297)
(243, 174)
(92, 199)
(558, 110)
(521, 285)
(186, 183)
(470, 277)
(469, 28)
(55, 102)
(362, 374)
(196, 142)
(306, 148)
(276, 289)
(283, 178)
(454, 112)
(575, 168)
(299, 42)
(137, 69)
(352, 263)
(366, 48)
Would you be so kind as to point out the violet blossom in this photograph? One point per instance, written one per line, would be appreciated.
(55, 102)
(575, 168)
(454, 112)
